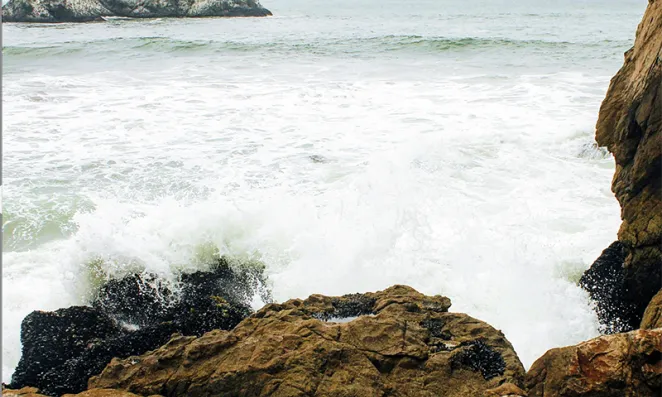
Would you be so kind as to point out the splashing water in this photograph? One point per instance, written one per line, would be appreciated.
(347, 153)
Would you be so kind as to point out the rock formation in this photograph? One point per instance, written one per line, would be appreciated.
(34, 392)
(629, 126)
(62, 349)
(187, 8)
(619, 365)
(95, 10)
(653, 314)
(396, 342)
(53, 11)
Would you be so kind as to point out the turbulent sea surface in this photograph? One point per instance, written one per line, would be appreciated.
(348, 146)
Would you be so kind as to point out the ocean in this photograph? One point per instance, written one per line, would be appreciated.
(347, 146)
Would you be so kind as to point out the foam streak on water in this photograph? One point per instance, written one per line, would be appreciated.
(347, 151)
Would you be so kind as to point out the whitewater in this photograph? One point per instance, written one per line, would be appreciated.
(346, 146)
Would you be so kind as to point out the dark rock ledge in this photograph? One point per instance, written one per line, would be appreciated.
(130, 316)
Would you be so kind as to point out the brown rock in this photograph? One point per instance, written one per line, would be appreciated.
(619, 365)
(103, 393)
(396, 342)
(33, 392)
(23, 392)
(505, 390)
(629, 125)
(653, 314)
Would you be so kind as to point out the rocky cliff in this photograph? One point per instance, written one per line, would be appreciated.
(629, 126)
(94, 10)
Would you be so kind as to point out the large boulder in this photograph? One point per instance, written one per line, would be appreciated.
(63, 349)
(619, 365)
(396, 342)
(96, 10)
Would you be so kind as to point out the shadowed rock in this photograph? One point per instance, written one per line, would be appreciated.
(605, 283)
(63, 349)
(203, 300)
(51, 338)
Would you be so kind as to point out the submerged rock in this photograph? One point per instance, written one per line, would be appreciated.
(629, 125)
(620, 365)
(95, 10)
(396, 342)
(63, 349)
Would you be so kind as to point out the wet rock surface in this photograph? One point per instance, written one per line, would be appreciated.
(62, 349)
(396, 342)
(51, 338)
(605, 283)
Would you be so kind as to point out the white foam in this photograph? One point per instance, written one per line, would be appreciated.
(467, 187)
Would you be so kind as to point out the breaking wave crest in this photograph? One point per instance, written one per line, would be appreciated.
(405, 43)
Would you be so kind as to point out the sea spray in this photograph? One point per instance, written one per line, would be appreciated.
(466, 171)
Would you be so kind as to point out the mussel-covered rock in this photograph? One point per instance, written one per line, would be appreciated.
(130, 316)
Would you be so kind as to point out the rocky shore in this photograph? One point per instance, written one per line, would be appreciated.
(53, 11)
(629, 273)
(141, 338)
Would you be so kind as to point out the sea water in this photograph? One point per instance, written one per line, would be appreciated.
(346, 145)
